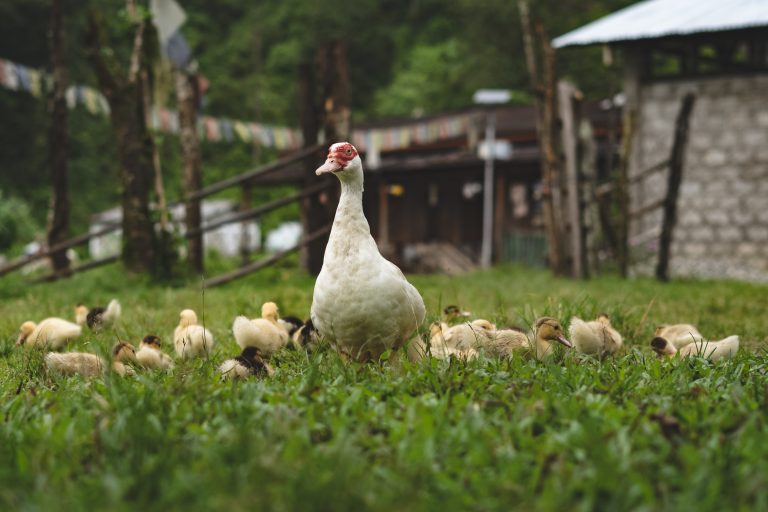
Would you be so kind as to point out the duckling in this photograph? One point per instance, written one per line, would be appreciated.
(263, 333)
(91, 365)
(306, 336)
(548, 330)
(150, 355)
(453, 314)
(417, 349)
(291, 324)
(679, 335)
(189, 339)
(98, 317)
(597, 337)
(248, 363)
(467, 335)
(52, 333)
(713, 350)
(504, 342)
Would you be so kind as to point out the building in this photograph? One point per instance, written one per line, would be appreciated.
(717, 50)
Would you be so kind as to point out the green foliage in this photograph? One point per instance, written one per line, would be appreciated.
(16, 223)
(630, 433)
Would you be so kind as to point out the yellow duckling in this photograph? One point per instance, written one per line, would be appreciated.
(91, 365)
(547, 331)
(467, 335)
(190, 339)
(249, 363)
(679, 335)
(712, 350)
(99, 316)
(264, 333)
(597, 337)
(51, 333)
(151, 356)
(417, 349)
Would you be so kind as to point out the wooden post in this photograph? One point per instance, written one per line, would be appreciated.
(187, 98)
(567, 97)
(58, 226)
(676, 163)
(245, 236)
(383, 216)
(499, 215)
(543, 88)
(622, 192)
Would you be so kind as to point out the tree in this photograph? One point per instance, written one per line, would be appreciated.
(125, 95)
(58, 225)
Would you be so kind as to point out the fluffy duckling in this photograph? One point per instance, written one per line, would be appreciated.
(453, 314)
(467, 335)
(713, 350)
(248, 363)
(291, 324)
(151, 356)
(91, 365)
(547, 331)
(306, 336)
(263, 333)
(417, 349)
(190, 339)
(504, 342)
(52, 333)
(679, 335)
(597, 337)
(98, 317)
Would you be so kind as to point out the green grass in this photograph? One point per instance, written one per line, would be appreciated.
(631, 433)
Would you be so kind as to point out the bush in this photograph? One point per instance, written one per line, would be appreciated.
(16, 223)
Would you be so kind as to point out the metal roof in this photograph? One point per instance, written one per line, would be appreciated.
(660, 18)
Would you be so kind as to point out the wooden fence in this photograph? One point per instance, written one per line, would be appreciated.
(240, 214)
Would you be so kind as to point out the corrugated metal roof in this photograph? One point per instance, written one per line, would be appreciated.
(659, 18)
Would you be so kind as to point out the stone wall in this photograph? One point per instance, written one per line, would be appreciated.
(722, 228)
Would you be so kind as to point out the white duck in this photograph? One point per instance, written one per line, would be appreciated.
(597, 337)
(713, 350)
(265, 333)
(52, 333)
(151, 356)
(356, 284)
(189, 339)
(679, 335)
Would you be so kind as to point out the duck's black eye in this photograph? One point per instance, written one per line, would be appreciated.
(349, 151)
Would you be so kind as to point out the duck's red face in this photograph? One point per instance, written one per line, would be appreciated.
(339, 156)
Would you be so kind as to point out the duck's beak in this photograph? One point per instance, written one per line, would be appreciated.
(20, 340)
(330, 166)
(564, 341)
(464, 313)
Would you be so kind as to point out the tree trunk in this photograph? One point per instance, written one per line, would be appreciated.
(186, 95)
(134, 142)
(58, 227)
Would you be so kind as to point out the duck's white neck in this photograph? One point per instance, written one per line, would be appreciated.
(350, 218)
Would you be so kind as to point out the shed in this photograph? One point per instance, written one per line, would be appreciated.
(717, 50)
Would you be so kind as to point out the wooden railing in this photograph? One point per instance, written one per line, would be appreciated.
(240, 214)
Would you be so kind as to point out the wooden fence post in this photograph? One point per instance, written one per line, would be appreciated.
(573, 219)
(676, 162)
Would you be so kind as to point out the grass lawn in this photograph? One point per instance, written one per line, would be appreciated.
(571, 434)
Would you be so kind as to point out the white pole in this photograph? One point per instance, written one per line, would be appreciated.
(490, 142)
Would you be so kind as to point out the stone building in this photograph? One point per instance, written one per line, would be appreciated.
(717, 50)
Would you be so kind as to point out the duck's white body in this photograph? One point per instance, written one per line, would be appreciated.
(154, 359)
(191, 340)
(52, 333)
(679, 335)
(265, 333)
(362, 303)
(596, 337)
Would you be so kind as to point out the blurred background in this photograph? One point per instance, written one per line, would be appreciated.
(173, 137)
